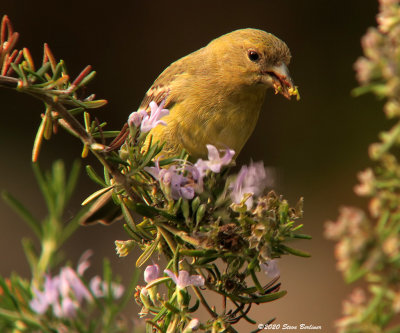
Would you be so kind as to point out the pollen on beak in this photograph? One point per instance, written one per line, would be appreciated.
(282, 82)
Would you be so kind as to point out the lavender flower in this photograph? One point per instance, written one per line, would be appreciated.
(151, 273)
(173, 181)
(181, 187)
(175, 184)
(83, 262)
(155, 170)
(43, 299)
(135, 118)
(64, 293)
(101, 288)
(71, 284)
(152, 120)
(68, 308)
(39, 304)
(147, 122)
(250, 180)
(193, 325)
(183, 279)
(214, 162)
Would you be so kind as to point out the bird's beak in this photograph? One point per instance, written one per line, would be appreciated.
(282, 82)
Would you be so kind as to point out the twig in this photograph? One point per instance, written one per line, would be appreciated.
(75, 125)
(204, 302)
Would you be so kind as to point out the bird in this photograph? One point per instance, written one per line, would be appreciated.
(214, 96)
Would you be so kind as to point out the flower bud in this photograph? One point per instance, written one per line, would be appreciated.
(124, 247)
(200, 213)
(151, 273)
(193, 325)
(135, 119)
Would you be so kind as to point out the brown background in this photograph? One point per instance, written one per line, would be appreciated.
(317, 145)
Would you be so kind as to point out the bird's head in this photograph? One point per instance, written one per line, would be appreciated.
(254, 58)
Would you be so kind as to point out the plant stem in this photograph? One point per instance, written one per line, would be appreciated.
(76, 126)
(203, 301)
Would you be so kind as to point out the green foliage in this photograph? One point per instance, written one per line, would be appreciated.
(17, 312)
(56, 189)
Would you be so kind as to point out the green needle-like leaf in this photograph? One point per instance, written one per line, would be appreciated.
(72, 180)
(148, 252)
(96, 194)
(295, 252)
(23, 212)
(94, 176)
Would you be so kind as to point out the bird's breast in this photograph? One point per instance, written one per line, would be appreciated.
(227, 123)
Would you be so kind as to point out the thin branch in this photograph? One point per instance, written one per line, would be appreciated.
(75, 125)
(204, 302)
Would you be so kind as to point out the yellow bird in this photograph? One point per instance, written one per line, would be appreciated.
(214, 96)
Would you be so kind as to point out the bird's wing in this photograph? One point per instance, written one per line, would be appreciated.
(159, 91)
(156, 93)
(162, 86)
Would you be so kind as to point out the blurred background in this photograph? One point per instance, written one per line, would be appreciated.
(317, 145)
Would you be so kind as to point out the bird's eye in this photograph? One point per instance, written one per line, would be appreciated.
(253, 55)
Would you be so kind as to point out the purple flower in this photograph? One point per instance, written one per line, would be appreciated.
(194, 324)
(175, 184)
(180, 185)
(136, 117)
(96, 287)
(172, 179)
(70, 283)
(202, 167)
(68, 308)
(117, 290)
(83, 262)
(48, 297)
(51, 286)
(270, 268)
(152, 120)
(184, 280)
(40, 302)
(101, 288)
(250, 180)
(151, 273)
(214, 162)
(65, 292)
(147, 122)
(155, 170)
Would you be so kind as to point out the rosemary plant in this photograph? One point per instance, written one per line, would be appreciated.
(216, 231)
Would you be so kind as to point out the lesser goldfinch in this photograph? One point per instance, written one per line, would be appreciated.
(214, 96)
